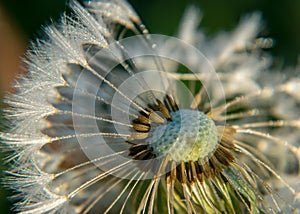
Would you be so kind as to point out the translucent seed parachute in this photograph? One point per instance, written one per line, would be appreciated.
(113, 119)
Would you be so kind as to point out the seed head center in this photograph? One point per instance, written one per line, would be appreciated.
(190, 136)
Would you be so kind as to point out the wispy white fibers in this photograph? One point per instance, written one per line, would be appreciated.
(107, 122)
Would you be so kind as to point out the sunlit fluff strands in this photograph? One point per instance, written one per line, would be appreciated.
(106, 125)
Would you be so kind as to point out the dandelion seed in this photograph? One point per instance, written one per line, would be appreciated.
(108, 123)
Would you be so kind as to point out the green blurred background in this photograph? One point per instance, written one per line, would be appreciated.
(281, 22)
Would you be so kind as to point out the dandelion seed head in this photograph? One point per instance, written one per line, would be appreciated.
(189, 136)
(107, 123)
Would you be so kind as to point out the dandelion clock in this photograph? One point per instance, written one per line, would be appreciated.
(113, 119)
